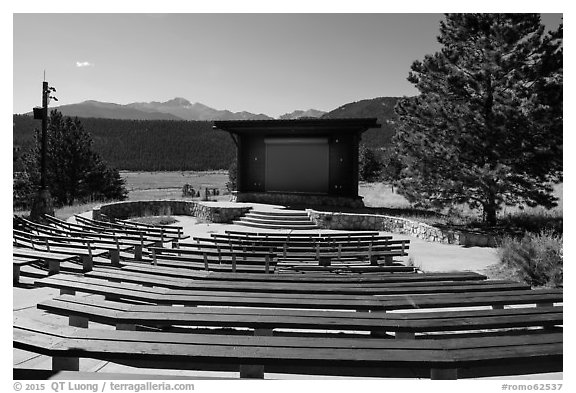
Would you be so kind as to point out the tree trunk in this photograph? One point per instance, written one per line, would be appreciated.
(490, 214)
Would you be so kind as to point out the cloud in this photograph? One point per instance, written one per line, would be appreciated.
(84, 64)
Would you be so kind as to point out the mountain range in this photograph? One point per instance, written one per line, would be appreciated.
(151, 136)
(181, 109)
(174, 109)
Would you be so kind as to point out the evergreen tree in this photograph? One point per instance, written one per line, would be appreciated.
(369, 164)
(74, 172)
(486, 128)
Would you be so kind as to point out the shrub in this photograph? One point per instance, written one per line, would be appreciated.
(188, 191)
(22, 191)
(231, 185)
(535, 258)
(535, 221)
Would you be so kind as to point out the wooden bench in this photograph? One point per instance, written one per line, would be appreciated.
(322, 277)
(172, 229)
(148, 279)
(497, 299)
(214, 259)
(226, 250)
(17, 263)
(322, 251)
(299, 242)
(81, 310)
(255, 356)
(322, 258)
(86, 225)
(25, 374)
(65, 229)
(82, 249)
(159, 233)
(303, 235)
(113, 247)
(51, 259)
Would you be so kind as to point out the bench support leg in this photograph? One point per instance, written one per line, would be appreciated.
(388, 261)
(138, 252)
(53, 267)
(251, 371)
(87, 263)
(374, 260)
(65, 291)
(65, 363)
(125, 326)
(405, 335)
(115, 257)
(379, 334)
(78, 321)
(324, 261)
(264, 332)
(444, 373)
(544, 304)
(15, 274)
(498, 307)
(255, 370)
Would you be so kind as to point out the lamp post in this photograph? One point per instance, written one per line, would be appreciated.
(43, 200)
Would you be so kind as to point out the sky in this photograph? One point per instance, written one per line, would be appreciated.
(261, 63)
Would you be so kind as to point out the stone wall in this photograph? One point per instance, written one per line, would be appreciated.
(207, 211)
(375, 222)
(288, 198)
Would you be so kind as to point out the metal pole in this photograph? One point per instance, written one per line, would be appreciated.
(45, 93)
(43, 201)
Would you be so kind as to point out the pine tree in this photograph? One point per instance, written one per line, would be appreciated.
(486, 128)
(369, 164)
(74, 171)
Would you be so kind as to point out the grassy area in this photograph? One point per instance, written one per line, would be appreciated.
(168, 185)
(381, 195)
(379, 199)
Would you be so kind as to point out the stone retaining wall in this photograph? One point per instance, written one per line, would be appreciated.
(292, 198)
(376, 222)
(203, 210)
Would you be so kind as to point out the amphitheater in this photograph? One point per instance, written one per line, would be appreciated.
(241, 290)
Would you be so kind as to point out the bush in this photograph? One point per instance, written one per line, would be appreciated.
(188, 191)
(535, 258)
(231, 185)
(535, 221)
(22, 191)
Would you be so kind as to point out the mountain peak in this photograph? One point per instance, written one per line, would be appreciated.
(299, 114)
(177, 101)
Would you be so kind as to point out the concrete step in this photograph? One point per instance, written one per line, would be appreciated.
(278, 221)
(282, 213)
(274, 226)
(278, 217)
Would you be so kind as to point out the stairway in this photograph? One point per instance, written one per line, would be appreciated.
(279, 219)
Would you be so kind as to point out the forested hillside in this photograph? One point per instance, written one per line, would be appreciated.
(173, 145)
(381, 108)
(146, 145)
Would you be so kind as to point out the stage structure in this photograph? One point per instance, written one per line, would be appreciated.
(298, 162)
